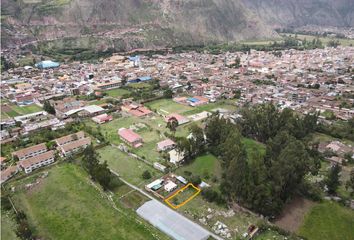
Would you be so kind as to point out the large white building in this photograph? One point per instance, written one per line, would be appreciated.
(37, 161)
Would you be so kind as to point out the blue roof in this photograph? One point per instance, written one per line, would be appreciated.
(134, 58)
(146, 78)
(193, 100)
(47, 64)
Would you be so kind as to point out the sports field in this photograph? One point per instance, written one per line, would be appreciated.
(328, 221)
(11, 110)
(65, 205)
(118, 92)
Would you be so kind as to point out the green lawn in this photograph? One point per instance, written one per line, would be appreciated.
(168, 105)
(270, 235)
(118, 92)
(127, 167)
(330, 221)
(18, 111)
(205, 166)
(152, 133)
(66, 206)
(8, 226)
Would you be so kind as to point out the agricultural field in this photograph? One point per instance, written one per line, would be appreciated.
(11, 110)
(328, 220)
(66, 205)
(127, 167)
(117, 93)
(324, 40)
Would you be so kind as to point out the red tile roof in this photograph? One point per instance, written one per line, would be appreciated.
(36, 159)
(129, 135)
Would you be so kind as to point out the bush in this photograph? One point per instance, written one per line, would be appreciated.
(146, 174)
(212, 196)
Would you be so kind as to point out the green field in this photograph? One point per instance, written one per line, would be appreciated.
(65, 205)
(166, 106)
(328, 221)
(270, 235)
(18, 111)
(324, 40)
(8, 226)
(205, 166)
(118, 92)
(127, 167)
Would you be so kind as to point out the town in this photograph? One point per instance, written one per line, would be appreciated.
(148, 120)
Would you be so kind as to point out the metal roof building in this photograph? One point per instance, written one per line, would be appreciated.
(170, 222)
(47, 64)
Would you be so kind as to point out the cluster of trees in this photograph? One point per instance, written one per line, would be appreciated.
(193, 145)
(99, 171)
(264, 183)
(339, 129)
(48, 108)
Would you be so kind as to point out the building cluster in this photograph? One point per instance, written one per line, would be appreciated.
(40, 155)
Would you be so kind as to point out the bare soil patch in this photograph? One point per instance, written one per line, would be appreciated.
(293, 214)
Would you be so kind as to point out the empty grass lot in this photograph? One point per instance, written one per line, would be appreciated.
(205, 166)
(66, 206)
(127, 167)
(8, 226)
(328, 221)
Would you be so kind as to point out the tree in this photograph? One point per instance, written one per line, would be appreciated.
(350, 182)
(196, 139)
(332, 180)
(48, 108)
(172, 124)
(168, 93)
(146, 174)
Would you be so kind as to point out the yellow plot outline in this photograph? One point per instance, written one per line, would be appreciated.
(167, 200)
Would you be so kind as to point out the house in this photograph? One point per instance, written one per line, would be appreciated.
(131, 138)
(2, 161)
(159, 167)
(170, 186)
(103, 118)
(70, 138)
(180, 119)
(37, 161)
(74, 146)
(136, 110)
(30, 151)
(165, 145)
(109, 85)
(175, 156)
(8, 173)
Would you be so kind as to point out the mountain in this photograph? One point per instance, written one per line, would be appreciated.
(297, 13)
(128, 24)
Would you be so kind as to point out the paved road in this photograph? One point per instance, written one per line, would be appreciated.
(152, 198)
